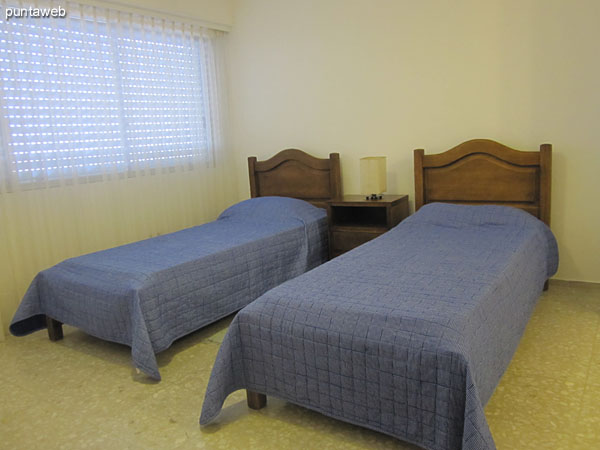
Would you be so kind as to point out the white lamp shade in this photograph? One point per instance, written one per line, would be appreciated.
(373, 175)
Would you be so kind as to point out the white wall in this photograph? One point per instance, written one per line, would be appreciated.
(383, 77)
(214, 11)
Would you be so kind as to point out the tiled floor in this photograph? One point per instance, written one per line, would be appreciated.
(81, 393)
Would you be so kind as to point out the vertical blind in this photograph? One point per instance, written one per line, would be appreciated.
(101, 93)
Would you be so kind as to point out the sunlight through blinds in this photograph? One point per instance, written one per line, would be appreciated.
(101, 92)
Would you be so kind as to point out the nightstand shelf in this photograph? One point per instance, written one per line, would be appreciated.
(353, 220)
(358, 227)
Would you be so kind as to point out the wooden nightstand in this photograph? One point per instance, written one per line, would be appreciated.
(353, 220)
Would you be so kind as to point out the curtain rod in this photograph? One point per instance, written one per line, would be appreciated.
(158, 13)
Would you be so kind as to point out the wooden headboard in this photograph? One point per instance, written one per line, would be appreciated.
(482, 171)
(294, 173)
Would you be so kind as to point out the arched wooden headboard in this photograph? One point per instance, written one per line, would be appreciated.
(482, 171)
(294, 173)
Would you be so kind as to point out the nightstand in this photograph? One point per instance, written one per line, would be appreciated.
(353, 220)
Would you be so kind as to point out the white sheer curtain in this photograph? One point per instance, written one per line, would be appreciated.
(102, 93)
(112, 128)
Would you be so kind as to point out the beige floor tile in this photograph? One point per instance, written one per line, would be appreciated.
(588, 426)
(33, 422)
(559, 339)
(546, 403)
(587, 294)
(594, 369)
(82, 393)
(283, 425)
(523, 435)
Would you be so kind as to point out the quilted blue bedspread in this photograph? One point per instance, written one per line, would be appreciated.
(149, 293)
(408, 334)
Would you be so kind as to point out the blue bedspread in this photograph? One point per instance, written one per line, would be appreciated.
(149, 293)
(408, 334)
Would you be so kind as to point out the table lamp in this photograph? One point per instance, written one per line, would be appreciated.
(373, 177)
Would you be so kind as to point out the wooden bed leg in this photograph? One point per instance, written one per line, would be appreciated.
(55, 331)
(546, 285)
(256, 400)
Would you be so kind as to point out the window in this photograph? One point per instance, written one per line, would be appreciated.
(99, 92)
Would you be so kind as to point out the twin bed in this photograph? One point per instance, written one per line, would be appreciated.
(407, 334)
(149, 293)
(410, 333)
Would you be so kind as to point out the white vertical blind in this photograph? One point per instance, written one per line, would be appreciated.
(102, 92)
